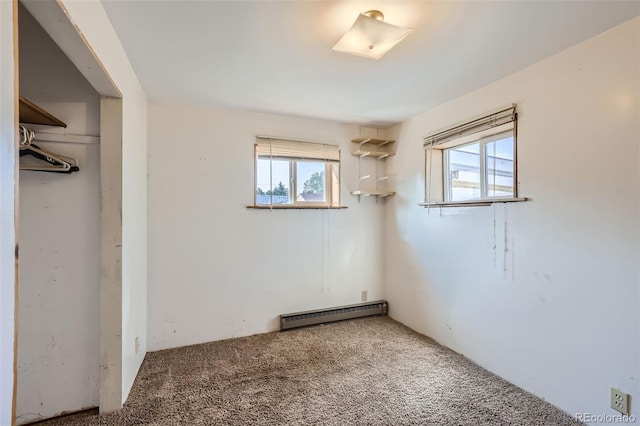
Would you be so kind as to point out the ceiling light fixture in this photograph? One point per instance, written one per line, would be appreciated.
(370, 36)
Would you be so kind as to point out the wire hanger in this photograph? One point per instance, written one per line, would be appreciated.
(56, 163)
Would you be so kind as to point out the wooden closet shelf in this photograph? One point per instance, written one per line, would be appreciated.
(32, 114)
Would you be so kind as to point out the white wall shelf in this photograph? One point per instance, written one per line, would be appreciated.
(372, 182)
(373, 141)
(372, 193)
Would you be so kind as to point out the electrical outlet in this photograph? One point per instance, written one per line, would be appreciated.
(137, 345)
(363, 295)
(620, 401)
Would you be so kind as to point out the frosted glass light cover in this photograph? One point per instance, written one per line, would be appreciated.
(370, 38)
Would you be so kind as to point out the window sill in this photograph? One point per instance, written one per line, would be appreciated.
(474, 203)
(266, 207)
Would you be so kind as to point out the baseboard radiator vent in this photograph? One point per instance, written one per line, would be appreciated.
(322, 316)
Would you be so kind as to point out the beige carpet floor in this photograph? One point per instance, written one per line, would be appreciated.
(371, 371)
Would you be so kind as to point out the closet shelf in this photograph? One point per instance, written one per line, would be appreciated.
(32, 114)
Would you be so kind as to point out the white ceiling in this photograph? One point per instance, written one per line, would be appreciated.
(275, 56)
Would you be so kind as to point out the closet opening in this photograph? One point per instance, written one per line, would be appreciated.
(70, 230)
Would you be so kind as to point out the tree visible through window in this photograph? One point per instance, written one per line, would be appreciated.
(315, 184)
(300, 174)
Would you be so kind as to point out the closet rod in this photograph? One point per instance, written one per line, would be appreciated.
(63, 138)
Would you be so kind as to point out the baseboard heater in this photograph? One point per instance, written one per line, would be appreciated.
(322, 316)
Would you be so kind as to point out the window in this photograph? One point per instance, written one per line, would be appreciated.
(480, 170)
(296, 174)
(473, 162)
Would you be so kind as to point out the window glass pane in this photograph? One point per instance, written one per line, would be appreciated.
(499, 163)
(272, 181)
(464, 172)
(310, 178)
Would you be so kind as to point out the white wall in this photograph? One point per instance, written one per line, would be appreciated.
(543, 293)
(92, 21)
(219, 270)
(59, 287)
(7, 209)
(49, 78)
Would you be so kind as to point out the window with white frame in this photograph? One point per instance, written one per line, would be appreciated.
(480, 170)
(473, 162)
(296, 174)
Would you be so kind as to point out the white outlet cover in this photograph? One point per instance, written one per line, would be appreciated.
(619, 401)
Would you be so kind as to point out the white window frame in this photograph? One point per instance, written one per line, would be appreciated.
(482, 143)
(332, 172)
